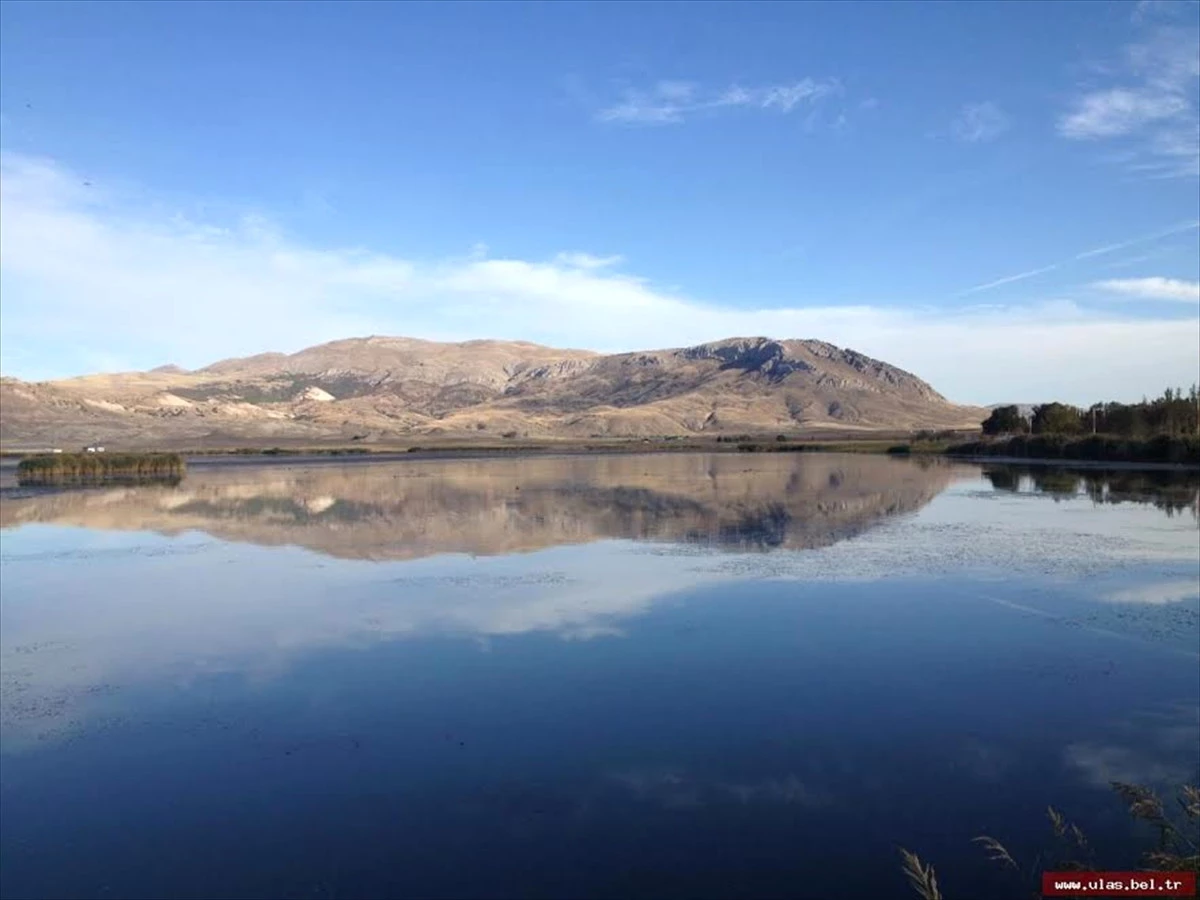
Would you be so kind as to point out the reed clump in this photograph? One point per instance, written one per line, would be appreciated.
(68, 468)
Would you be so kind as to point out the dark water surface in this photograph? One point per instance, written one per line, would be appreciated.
(659, 676)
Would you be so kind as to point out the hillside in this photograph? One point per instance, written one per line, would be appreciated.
(381, 389)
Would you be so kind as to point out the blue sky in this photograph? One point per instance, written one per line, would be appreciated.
(1002, 198)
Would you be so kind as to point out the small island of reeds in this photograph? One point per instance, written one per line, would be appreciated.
(100, 468)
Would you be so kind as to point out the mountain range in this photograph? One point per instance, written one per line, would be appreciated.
(386, 389)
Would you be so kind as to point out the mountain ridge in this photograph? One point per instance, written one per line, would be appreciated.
(381, 388)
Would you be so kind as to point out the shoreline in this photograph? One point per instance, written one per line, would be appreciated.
(870, 446)
(466, 453)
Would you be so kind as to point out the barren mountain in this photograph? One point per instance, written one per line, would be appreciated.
(378, 389)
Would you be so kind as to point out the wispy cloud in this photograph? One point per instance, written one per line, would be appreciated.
(1118, 111)
(1086, 254)
(588, 261)
(978, 123)
(1152, 111)
(1009, 279)
(1155, 288)
(1133, 260)
(1149, 10)
(676, 789)
(673, 102)
(86, 273)
(1155, 747)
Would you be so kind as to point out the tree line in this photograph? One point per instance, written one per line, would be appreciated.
(1174, 413)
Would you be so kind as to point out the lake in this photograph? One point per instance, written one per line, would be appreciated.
(732, 675)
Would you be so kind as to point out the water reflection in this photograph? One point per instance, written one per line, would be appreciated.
(1171, 491)
(414, 509)
(292, 681)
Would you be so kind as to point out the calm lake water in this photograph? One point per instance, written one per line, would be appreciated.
(606, 676)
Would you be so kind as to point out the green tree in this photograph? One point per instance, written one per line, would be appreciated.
(1056, 418)
(1005, 420)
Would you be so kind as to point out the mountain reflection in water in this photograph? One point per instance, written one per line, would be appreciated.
(290, 680)
(413, 509)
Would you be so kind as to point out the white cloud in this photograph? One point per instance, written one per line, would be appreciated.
(1156, 593)
(561, 591)
(588, 261)
(1118, 111)
(86, 276)
(1101, 765)
(1153, 747)
(979, 123)
(1155, 288)
(672, 102)
(1153, 110)
(1168, 59)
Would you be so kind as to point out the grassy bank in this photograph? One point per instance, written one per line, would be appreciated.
(838, 442)
(60, 468)
(558, 446)
(808, 441)
(1178, 449)
(826, 447)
